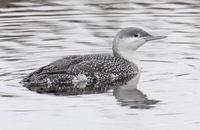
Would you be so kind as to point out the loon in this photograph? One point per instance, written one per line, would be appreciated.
(94, 68)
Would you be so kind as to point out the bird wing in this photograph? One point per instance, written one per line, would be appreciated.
(94, 66)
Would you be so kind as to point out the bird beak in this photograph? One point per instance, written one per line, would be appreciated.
(150, 37)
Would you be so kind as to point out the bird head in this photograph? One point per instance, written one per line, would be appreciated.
(131, 38)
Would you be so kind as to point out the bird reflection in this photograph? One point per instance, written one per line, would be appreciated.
(126, 94)
(133, 98)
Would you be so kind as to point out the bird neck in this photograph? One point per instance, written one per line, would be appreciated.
(125, 53)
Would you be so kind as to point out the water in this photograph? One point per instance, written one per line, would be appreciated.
(37, 32)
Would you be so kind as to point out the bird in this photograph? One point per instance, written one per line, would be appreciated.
(82, 70)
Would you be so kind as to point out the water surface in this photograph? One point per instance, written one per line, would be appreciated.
(37, 32)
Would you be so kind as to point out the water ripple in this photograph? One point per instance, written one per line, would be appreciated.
(37, 32)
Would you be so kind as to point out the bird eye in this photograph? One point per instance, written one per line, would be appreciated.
(136, 35)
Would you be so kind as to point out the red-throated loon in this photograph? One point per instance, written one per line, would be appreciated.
(95, 68)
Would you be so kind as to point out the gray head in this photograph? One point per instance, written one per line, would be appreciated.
(132, 32)
(131, 38)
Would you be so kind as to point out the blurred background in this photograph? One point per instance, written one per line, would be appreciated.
(36, 32)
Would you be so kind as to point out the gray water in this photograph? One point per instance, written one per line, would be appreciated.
(36, 32)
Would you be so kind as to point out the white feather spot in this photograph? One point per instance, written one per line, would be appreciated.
(97, 76)
(79, 78)
(80, 81)
(49, 83)
(113, 77)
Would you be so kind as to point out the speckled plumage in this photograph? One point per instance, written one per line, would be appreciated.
(83, 68)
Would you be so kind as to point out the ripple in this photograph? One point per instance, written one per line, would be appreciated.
(36, 32)
(6, 95)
